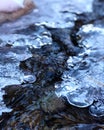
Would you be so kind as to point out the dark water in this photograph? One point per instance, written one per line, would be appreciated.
(52, 67)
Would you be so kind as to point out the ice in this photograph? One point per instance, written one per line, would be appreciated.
(83, 82)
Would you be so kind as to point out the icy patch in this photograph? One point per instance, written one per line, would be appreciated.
(29, 79)
(10, 73)
(83, 83)
(15, 48)
(35, 39)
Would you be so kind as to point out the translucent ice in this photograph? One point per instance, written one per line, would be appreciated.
(83, 83)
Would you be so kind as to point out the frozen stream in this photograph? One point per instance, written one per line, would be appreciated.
(48, 79)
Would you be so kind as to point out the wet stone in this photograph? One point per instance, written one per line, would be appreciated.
(52, 103)
(63, 38)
